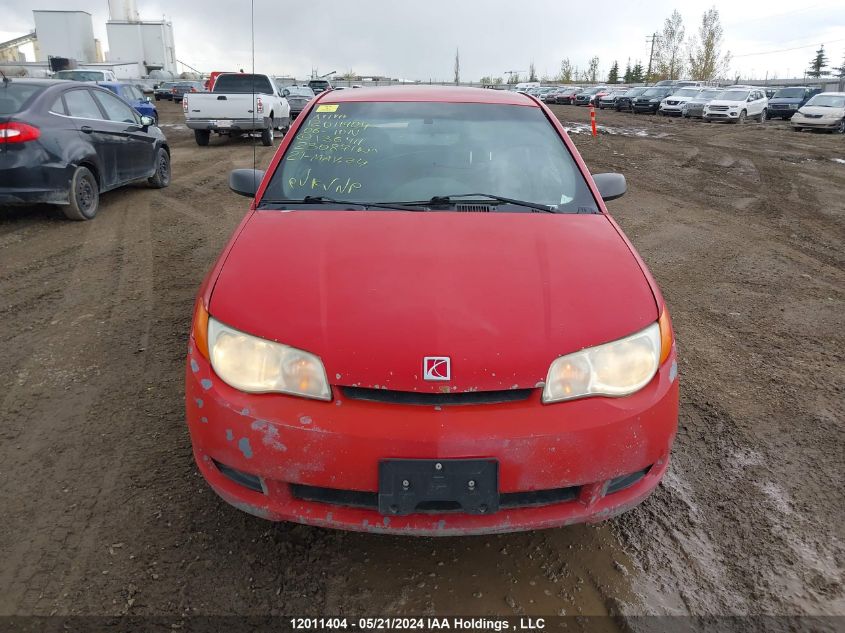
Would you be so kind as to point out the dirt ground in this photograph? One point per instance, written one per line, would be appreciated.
(105, 513)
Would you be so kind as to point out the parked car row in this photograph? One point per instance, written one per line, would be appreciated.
(805, 106)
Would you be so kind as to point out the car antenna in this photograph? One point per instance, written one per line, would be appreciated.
(6, 80)
(252, 83)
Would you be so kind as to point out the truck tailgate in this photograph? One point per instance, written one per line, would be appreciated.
(215, 105)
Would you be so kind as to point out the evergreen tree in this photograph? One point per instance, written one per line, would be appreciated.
(818, 64)
(638, 74)
(532, 72)
(613, 75)
(628, 75)
(840, 70)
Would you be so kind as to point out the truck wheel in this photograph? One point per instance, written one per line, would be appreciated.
(202, 137)
(161, 178)
(84, 196)
(267, 136)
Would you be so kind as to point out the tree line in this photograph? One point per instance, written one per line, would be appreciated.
(673, 56)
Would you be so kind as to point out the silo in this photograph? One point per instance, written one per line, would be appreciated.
(123, 11)
(65, 34)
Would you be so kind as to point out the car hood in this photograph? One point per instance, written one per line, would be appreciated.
(786, 100)
(824, 111)
(723, 102)
(372, 293)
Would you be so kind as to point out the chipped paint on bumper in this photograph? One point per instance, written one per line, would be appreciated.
(338, 444)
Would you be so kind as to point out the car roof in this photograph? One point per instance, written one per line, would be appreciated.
(34, 81)
(442, 94)
(831, 94)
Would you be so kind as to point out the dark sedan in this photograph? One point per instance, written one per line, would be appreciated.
(298, 97)
(66, 142)
(179, 89)
(162, 91)
(624, 101)
(649, 101)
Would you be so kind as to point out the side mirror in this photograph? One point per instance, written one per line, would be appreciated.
(245, 182)
(148, 99)
(284, 93)
(147, 121)
(610, 186)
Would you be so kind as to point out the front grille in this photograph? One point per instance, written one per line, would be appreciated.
(369, 500)
(626, 481)
(239, 477)
(507, 500)
(435, 399)
(719, 108)
(812, 116)
(671, 103)
(779, 106)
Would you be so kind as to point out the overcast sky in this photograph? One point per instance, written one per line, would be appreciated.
(417, 40)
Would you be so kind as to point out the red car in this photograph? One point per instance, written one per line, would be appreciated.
(428, 324)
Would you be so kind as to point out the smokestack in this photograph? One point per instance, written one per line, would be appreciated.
(123, 11)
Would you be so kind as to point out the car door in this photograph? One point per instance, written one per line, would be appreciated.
(93, 125)
(136, 145)
(755, 106)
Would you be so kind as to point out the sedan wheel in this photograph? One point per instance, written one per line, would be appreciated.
(84, 196)
(161, 178)
(840, 129)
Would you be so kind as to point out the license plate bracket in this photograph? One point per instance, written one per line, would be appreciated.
(438, 486)
(223, 123)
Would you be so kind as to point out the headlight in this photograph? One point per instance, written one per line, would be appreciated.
(256, 365)
(618, 368)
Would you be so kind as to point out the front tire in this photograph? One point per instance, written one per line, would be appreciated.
(202, 137)
(840, 129)
(267, 136)
(84, 196)
(161, 178)
(763, 115)
(742, 117)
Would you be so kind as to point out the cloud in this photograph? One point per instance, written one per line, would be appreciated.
(418, 39)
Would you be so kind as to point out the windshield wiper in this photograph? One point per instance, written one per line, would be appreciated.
(327, 200)
(449, 200)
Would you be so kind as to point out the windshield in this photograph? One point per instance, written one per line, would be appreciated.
(80, 75)
(734, 95)
(654, 92)
(318, 84)
(403, 152)
(790, 93)
(829, 101)
(239, 83)
(634, 92)
(303, 91)
(686, 92)
(709, 94)
(14, 96)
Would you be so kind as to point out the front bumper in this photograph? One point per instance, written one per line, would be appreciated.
(816, 124)
(229, 125)
(671, 110)
(285, 445)
(646, 107)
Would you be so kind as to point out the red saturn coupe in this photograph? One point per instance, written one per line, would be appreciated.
(427, 323)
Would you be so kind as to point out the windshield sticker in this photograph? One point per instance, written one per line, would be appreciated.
(327, 107)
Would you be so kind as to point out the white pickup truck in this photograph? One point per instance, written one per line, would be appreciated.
(240, 103)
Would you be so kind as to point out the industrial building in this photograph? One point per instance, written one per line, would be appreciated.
(136, 48)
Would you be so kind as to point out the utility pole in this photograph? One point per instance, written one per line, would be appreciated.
(652, 38)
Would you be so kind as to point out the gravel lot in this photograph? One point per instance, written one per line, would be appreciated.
(105, 513)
